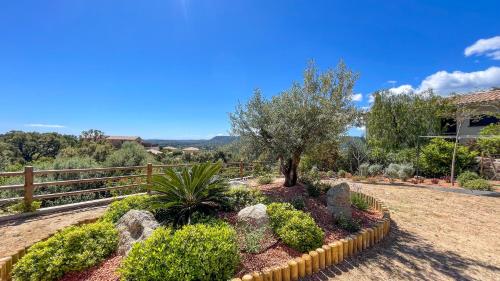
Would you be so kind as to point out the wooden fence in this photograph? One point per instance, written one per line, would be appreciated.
(142, 172)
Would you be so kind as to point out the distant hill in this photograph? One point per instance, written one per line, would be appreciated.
(210, 143)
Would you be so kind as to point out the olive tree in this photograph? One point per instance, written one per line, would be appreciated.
(306, 114)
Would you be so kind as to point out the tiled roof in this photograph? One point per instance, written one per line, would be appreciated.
(130, 138)
(479, 97)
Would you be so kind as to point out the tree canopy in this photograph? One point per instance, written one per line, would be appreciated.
(395, 121)
(299, 118)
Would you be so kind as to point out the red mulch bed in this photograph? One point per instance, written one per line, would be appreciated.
(281, 253)
(316, 207)
(274, 253)
(106, 271)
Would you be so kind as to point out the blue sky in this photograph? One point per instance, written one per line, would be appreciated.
(175, 69)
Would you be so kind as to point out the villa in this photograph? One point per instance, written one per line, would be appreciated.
(480, 105)
(117, 141)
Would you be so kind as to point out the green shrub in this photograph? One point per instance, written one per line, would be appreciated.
(301, 233)
(359, 202)
(489, 140)
(313, 190)
(130, 154)
(119, 208)
(195, 252)
(363, 169)
(392, 171)
(279, 213)
(296, 228)
(478, 184)
(375, 169)
(349, 225)
(265, 179)
(72, 249)
(240, 197)
(437, 156)
(341, 173)
(401, 171)
(311, 176)
(467, 176)
(330, 174)
(312, 181)
(201, 218)
(406, 155)
(405, 171)
(22, 207)
(298, 203)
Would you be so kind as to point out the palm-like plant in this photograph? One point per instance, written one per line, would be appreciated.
(195, 189)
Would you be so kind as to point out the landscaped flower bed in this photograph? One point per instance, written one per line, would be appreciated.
(215, 245)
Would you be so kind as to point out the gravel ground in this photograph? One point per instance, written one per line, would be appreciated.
(23, 232)
(435, 236)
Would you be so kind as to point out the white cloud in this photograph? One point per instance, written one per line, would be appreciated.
(357, 97)
(403, 89)
(45, 126)
(371, 99)
(444, 82)
(392, 81)
(489, 47)
(361, 129)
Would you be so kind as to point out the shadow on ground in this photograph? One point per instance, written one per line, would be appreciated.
(404, 256)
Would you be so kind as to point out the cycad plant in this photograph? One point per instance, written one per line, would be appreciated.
(190, 190)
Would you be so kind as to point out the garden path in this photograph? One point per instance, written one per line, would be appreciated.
(435, 236)
(19, 233)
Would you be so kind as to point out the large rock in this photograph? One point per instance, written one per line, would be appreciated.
(339, 200)
(255, 215)
(134, 226)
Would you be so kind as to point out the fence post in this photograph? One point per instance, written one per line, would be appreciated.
(241, 169)
(149, 177)
(28, 185)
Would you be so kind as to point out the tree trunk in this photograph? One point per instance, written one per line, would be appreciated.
(289, 170)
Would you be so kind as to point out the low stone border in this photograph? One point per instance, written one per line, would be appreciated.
(7, 263)
(308, 264)
(330, 254)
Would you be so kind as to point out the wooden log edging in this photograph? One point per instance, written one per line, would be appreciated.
(329, 254)
(7, 263)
